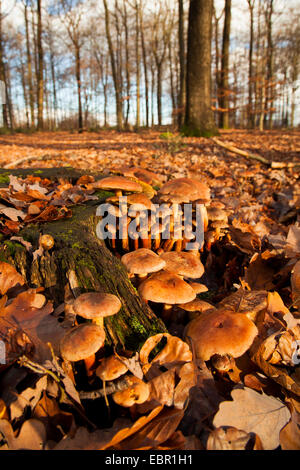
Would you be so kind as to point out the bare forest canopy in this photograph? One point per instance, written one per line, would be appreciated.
(86, 64)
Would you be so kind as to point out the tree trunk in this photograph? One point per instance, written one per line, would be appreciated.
(82, 260)
(250, 70)
(29, 68)
(119, 108)
(199, 120)
(269, 96)
(144, 53)
(225, 67)
(159, 92)
(137, 59)
(78, 80)
(182, 62)
(40, 79)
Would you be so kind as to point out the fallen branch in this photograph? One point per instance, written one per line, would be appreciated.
(252, 156)
(29, 159)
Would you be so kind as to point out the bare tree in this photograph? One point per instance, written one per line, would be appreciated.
(224, 101)
(199, 116)
(116, 78)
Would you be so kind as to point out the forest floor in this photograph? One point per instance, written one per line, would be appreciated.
(252, 268)
(110, 148)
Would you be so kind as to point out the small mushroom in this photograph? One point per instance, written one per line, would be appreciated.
(46, 241)
(221, 332)
(196, 307)
(184, 264)
(138, 392)
(167, 288)
(142, 262)
(118, 184)
(96, 305)
(81, 343)
(111, 368)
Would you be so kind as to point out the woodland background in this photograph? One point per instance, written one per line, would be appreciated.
(86, 64)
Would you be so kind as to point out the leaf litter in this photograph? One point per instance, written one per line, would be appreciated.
(252, 268)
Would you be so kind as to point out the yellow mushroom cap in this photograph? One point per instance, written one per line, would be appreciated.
(111, 368)
(166, 287)
(221, 332)
(138, 392)
(81, 342)
(142, 261)
(93, 305)
(183, 263)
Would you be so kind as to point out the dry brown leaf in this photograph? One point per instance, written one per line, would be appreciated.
(28, 398)
(175, 352)
(252, 412)
(295, 283)
(105, 438)
(32, 435)
(290, 434)
(9, 277)
(157, 431)
(27, 316)
(230, 438)
(54, 419)
(188, 379)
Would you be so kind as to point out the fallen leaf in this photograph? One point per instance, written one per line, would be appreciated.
(252, 412)
(290, 434)
(230, 438)
(32, 435)
(9, 277)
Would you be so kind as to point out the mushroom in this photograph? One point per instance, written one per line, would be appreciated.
(167, 288)
(111, 368)
(221, 332)
(96, 305)
(81, 343)
(184, 264)
(138, 392)
(185, 190)
(142, 262)
(198, 288)
(196, 307)
(118, 184)
(46, 241)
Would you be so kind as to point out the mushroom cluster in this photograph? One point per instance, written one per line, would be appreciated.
(83, 341)
(158, 220)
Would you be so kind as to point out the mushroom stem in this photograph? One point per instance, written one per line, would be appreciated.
(89, 362)
(166, 313)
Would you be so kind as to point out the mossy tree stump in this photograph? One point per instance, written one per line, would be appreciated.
(79, 254)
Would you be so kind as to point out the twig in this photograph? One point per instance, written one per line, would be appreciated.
(28, 159)
(252, 156)
(107, 390)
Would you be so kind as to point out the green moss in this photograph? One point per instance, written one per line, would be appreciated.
(137, 327)
(4, 178)
(12, 247)
(77, 245)
(37, 172)
(102, 195)
(190, 131)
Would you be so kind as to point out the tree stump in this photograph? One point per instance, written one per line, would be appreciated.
(81, 259)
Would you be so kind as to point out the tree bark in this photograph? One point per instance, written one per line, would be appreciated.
(78, 80)
(79, 258)
(40, 78)
(199, 120)
(29, 67)
(182, 62)
(250, 70)
(145, 66)
(118, 91)
(225, 67)
(137, 59)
